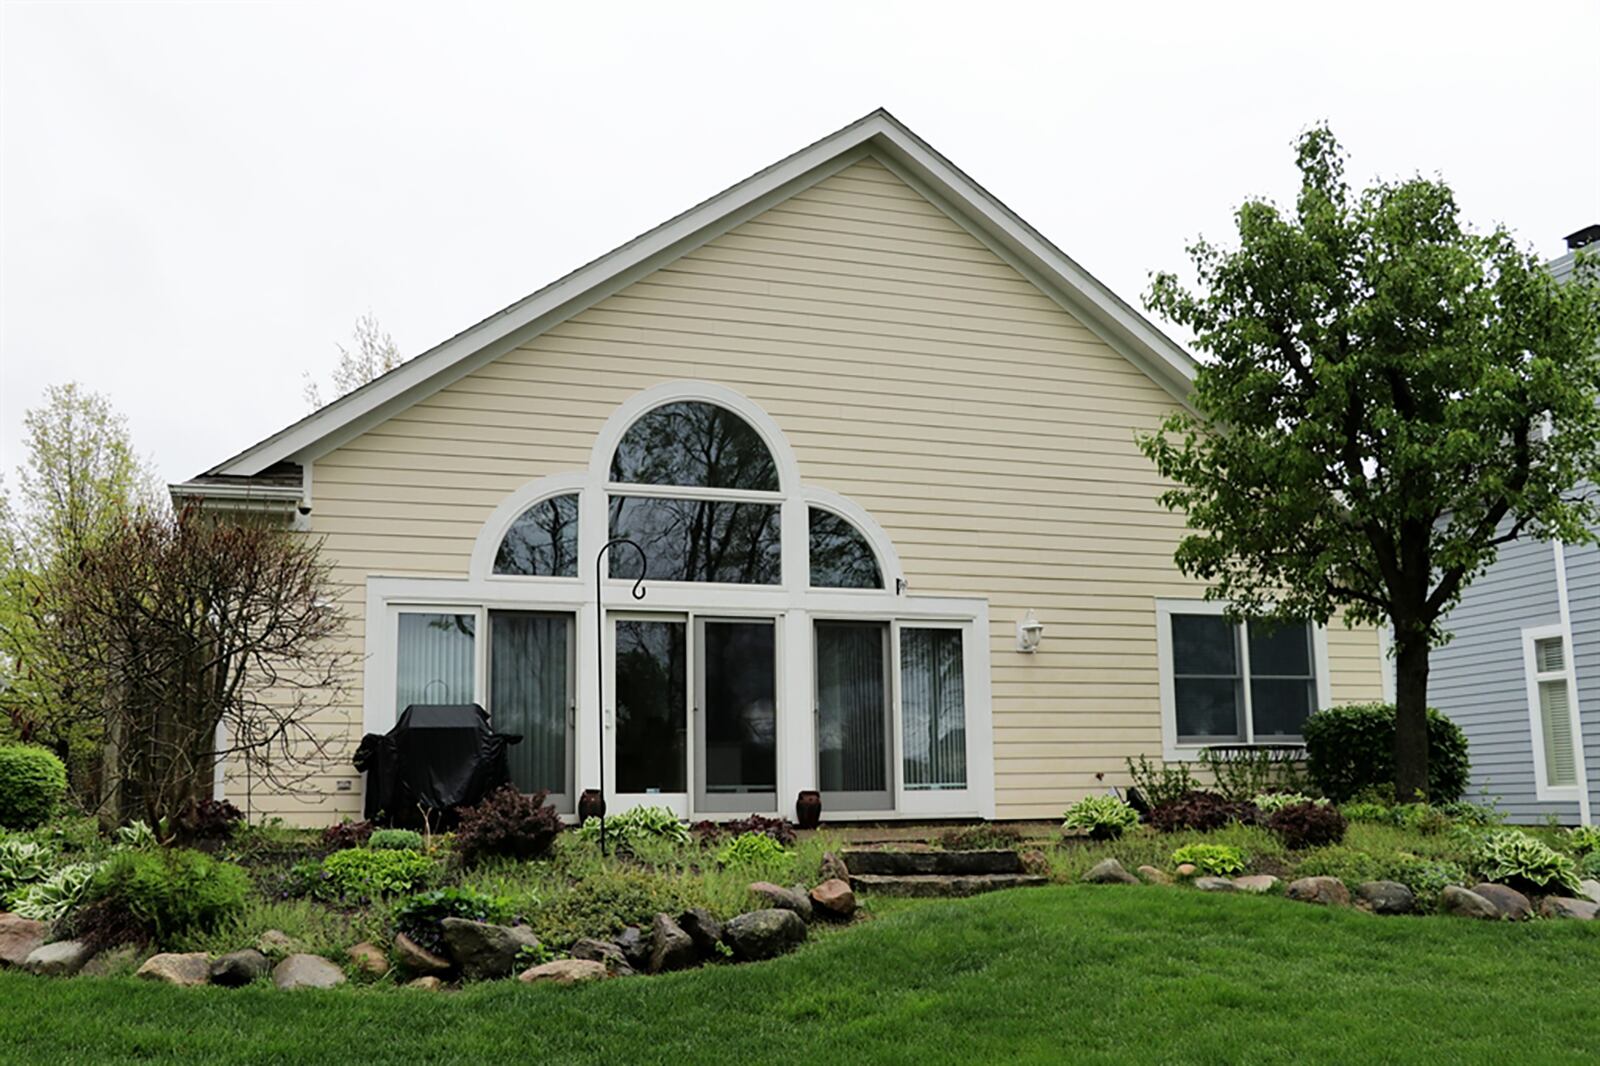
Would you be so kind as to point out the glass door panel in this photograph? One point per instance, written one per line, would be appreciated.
(652, 713)
(530, 695)
(434, 659)
(933, 708)
(736, 700)
(853, 739)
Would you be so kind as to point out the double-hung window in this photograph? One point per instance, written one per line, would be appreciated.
(1228, 683)
(1550, 703)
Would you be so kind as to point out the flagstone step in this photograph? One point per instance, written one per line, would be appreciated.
(926, 885)
(951, 863)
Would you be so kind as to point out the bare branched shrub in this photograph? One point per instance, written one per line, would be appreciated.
(174, 626)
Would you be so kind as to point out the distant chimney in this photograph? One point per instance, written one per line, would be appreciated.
(1583, 238)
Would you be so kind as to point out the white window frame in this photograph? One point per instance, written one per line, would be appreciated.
(792, 601)
(1544, 791)
(1174, 750)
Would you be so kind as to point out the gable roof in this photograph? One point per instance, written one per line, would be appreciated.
(879, 135)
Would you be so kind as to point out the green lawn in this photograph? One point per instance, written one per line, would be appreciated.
(1061, 974)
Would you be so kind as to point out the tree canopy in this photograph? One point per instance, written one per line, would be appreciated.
(1387, 397)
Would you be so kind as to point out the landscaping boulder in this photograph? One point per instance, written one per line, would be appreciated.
(484, 951)
(239, 968)
(307, 971)
(635, 947)
(703, 928)
(19, 938)
(834, 867)
(1260, 884)
(1567, 907)
(1215, 884)
(784, 898)
(414, 958)
(834, 899)
(276, 944)
(368, 958)
(604, 952)
(564, 972)
(1512, 905)
(1152, 875)
(1465, 903)
(1328, 891)
(670, 947)
(61, 959)
(1109, 872)
(186, 969)
(1187, 869)
(1590, 889)
(763, 934)
(429, 983)
(1385, 897)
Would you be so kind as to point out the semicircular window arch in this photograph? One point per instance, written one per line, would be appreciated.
(694, 444)
(841, 555)
(543, 541)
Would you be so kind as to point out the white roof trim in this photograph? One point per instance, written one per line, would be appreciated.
(878, 134)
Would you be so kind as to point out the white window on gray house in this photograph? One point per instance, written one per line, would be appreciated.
(1237, 683)
(1550, 692)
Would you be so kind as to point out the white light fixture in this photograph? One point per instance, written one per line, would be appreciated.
(1030, 631)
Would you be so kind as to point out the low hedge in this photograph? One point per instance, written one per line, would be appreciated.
(32, 782)
(1350, 749)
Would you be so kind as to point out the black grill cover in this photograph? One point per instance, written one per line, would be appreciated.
(438, 758)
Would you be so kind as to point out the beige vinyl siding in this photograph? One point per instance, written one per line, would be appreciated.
(913, 370)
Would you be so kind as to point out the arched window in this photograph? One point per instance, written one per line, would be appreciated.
(841, 558)
(543, 541)
(695, 444)
(689, 536)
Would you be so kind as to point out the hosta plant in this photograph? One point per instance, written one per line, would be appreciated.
(1102, 817)
(22, 862)
(1518, 860)
(751, 849)
(1270, 802)
(136, 835)
(50, 899)
(1583, 840)
(1219, 860)
(637, 824)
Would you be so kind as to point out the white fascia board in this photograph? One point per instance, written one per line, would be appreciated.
(878, 134)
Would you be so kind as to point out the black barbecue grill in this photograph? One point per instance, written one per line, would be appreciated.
(436, 759)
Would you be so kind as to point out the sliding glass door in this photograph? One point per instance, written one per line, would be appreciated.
(933, 711)
(531, 695)
(854, 742)
(736, 753)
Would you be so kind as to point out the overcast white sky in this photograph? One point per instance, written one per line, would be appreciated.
(197, 199)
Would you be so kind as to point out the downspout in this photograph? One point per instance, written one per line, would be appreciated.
(1585, 816)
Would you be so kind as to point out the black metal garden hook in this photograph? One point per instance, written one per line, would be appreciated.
(600, 658)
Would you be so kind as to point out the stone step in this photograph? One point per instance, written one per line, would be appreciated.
(951, 863)
(924, 885)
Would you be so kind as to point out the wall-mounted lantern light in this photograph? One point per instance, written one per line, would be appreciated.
(1030, 631)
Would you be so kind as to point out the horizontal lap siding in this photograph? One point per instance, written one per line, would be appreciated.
(991, 434)
(1479, 681)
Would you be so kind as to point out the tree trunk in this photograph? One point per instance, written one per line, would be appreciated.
(1411, 718)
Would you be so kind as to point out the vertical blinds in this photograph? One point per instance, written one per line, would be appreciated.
(852, 733)
(529, 694)
(933, 708)
(434, 659)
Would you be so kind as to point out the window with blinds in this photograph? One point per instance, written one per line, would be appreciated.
(1555, 711)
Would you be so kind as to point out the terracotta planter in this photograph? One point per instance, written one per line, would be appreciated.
(808, 809)
(591, 804)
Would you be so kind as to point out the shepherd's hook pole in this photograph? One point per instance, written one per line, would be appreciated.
(600, 656)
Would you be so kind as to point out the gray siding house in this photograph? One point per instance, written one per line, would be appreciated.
(1522, 674)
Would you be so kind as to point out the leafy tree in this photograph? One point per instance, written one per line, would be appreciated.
(1390, 395)
(373, 356)
(82, 480)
